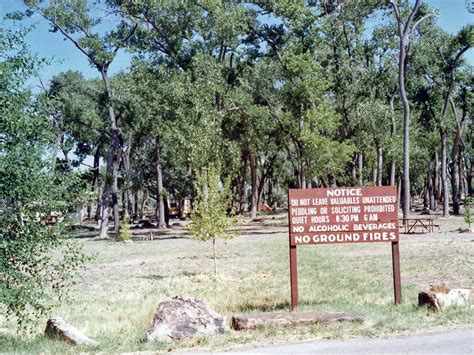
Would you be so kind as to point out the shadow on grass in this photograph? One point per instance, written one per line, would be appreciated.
(260, 232)
(161, 277)
(269, 306)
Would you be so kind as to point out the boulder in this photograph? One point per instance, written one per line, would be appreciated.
(283, 319)
(183, 317)
(57, 328)
(441, 298)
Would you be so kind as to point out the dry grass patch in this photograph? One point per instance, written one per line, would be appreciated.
(125, 283)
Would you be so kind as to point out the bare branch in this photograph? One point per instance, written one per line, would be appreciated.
(421, 20)
(70, 38)
(127, 37)
(412, 15)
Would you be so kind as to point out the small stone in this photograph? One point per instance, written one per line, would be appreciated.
(57, 328)
(183, 317)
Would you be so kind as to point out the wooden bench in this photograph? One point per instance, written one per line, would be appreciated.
(414, 225)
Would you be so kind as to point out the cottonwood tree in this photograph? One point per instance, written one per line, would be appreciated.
(210, 218)
(407, 22)
(77, 22)
(78, 119)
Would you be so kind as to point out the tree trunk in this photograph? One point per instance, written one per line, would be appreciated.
(374, 175)
(301, 175)
(98, 210)
(143, 204)
(243, 179)
(253, 179)
(436, 179)
(135, 205)
(115, 205)
(379, 166)
(431, 186)
(444, 173)
(406, 131)
(95, 177)
(112, 156)
(393, 131)
(128, 183)
(360, 168)
(332, 181)
(270, 188)
(399, 190)
(160, 210)
(470, 174)
(426, 194)
(455, 174)
(354, 169)
(455, 180)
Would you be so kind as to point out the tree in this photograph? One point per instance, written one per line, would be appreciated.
(210, 218)
(74, 21)
(32, 281)
(406, 28)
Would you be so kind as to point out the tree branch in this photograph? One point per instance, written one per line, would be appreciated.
(70, 38)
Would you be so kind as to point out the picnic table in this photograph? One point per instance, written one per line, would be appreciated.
(420, 225)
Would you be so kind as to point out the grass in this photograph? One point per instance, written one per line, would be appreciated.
(124, 284)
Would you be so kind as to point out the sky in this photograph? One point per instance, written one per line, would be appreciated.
(453, 15)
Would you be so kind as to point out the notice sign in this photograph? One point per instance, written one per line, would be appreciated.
(343, 215)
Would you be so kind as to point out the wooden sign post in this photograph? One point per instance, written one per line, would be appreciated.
(343, 215)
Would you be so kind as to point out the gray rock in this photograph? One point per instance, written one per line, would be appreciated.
(57, 328)
(183, 317)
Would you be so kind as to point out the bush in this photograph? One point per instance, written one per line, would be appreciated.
(37, 260)
(124, 233)
(468, 216)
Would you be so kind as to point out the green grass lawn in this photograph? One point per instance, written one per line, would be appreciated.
(123, 285)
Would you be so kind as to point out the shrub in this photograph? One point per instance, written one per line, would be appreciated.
(468, 216)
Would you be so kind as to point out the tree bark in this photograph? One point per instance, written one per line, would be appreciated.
(115, 205)
(128, 184)
(406, 129)
(270, 188)
(160, 210)
(393, 131)
(379, 166)
(455, 174)
(253, 179)
(243, 179)
(135, 204)
(112, 157)
(444, 177)
(431, 186)
(469, 177)
(436, 179)
(145, 198)
(95, 177)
